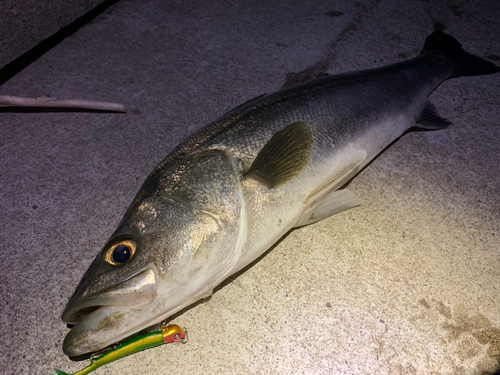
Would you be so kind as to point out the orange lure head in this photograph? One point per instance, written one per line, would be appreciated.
(174, 333)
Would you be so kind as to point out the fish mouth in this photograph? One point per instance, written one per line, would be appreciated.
(110, 315)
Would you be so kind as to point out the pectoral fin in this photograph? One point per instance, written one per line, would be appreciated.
(284, 156)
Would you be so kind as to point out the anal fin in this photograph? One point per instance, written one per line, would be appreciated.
(430, 118)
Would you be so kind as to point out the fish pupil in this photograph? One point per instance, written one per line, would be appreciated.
(121, 254)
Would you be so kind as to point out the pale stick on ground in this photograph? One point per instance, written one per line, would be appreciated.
(47, 102)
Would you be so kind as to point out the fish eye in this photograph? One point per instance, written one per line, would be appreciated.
(120, 252)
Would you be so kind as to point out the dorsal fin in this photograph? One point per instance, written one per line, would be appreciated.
(250, 101)
(284, 156)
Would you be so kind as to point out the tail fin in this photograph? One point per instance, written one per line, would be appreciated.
(467, 64)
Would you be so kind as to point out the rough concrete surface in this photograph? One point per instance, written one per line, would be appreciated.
(24, 24)
(407, 283)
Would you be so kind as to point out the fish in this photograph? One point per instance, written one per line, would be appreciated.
(232, 189)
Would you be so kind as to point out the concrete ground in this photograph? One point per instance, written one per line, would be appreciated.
(407, 283)
(24, 24)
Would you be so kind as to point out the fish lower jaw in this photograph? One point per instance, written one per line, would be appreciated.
(80, 340)
(108, 325)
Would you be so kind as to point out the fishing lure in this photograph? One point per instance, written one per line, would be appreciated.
(168, 334)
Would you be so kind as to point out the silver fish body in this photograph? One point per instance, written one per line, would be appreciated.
(231, 190)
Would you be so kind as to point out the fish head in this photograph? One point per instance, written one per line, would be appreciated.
(165, 255)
